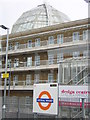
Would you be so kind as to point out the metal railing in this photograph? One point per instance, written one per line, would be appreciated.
(19, 107)
(75, 77)
(31, 64)
(25, 83)
(44, 43)
(83, 80)
(20, 64)
(78, 115)
(74, 70)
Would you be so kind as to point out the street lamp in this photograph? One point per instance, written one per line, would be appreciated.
(5, 82)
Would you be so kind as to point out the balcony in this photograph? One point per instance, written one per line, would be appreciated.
(24, 66)
(44, 64)
(23, 85)
(68, 64)
(44, 45)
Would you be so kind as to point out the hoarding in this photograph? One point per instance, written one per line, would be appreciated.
(45, 98)
(72, 96)
(73, 91)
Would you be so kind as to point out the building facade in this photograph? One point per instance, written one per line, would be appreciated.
(54, 53)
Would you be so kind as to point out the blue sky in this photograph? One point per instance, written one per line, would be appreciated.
(11, 10)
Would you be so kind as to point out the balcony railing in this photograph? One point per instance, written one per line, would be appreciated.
(45, 64)
(31, 64)
(42, 44)
(25, 83)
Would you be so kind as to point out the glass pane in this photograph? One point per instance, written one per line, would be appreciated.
(51, 40)
(50, 77)
(85, 35)
(29, 61)
(37, 60)
(60, 39)
(50, 59)
(37, 42)
(75, 36)
(29, 44)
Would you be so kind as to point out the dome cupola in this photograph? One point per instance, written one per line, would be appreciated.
(41, 16)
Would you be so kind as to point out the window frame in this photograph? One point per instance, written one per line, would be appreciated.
(37, 42)
(50, 77)
(37, 60)
(10, 47)
(9, 63)
(29, 43)
(50, 59)
(60, 38)
(16, 62)
(28, 79)
(75, 36)
(15, 79)
(36, 77)
(17, 44)
(76, 52)
(29, 61)
(85, 34)
(50, 40)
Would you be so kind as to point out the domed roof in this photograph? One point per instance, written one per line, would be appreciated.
(41, 16)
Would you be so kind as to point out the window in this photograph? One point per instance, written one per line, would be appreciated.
(36, 78)
(76, 54)
(59, 57)
(9, 63)
(29, 61)
(85, 53)
(15, 79)
(29, 43)
(50, 59)
(37, 60)
(50, 77)
(37, 42)
(50, 40)
(85, 35)
(75, 36)
(10, 46)
(60, 39)
(28, 79)
(16, 45)
(16, 62)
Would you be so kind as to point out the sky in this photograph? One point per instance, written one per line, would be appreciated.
(11, 10)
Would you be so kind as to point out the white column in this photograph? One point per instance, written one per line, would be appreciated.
(63, 73)
(60, 73)
(69, 72)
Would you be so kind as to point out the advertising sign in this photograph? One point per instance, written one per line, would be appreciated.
(5, 75)
(74, 91)
(45, 98)
(72, 96)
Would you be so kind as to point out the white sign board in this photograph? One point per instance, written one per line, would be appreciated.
(45, 98)
(74, 91)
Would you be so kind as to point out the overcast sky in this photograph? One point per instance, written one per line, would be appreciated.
(11, 10)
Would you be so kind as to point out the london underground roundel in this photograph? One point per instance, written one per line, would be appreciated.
(48, 100)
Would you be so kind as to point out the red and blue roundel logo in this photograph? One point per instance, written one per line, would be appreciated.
(48, 100)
